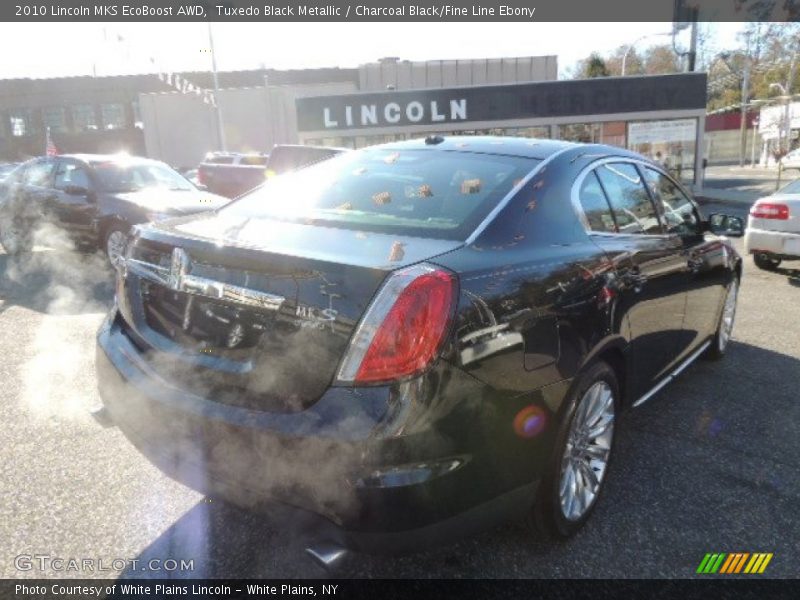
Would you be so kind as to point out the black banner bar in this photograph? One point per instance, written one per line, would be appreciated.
(398, 10)
(717, 587)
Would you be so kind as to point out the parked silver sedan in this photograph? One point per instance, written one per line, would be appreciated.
(773, 227)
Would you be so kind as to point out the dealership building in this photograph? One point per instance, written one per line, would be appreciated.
(394, 99)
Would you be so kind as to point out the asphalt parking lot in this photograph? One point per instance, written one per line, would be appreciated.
(708, 465)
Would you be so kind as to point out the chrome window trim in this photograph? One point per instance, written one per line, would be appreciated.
(576, 202)
(673, 375)
(513, 192)
(678, 185)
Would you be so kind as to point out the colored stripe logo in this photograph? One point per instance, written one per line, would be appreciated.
(734, 563)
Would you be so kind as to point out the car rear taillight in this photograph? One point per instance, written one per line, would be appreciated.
(767, 210)
(201, 177)
(403, 330)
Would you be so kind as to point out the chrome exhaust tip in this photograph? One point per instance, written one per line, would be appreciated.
(327, 555)
(102, 416)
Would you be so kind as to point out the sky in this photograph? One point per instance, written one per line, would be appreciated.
(67, 49)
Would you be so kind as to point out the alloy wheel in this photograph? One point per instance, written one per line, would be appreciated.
(115, 247)
(588, 448)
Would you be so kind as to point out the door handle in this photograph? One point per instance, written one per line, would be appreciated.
(695, 263)
(634, 278)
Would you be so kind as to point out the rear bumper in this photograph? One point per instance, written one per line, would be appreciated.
(322, 460)
(777, 243)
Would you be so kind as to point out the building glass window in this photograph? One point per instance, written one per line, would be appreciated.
(532, 132)
(589, 133)
(21, 122)
(113, 116)
(613, 133)
(55, 118)
(137, 115)
(670, 143)
(83, 117)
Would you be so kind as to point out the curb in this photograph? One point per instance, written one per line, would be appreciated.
(725, 202)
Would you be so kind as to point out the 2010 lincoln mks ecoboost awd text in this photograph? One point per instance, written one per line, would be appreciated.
(417, 339)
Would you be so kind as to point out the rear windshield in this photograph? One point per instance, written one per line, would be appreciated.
(259, 161)
(122, 177)
(219, 160)
(288, 158)
(422, 193)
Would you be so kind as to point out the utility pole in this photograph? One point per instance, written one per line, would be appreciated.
(692, 58)
(789, 83)
(753, 147)
(217, 109)
(745, 100)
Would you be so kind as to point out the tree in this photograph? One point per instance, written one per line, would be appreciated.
(633, 64)
(661, 60)
(656, 60)
(768, 49)
(595, 66)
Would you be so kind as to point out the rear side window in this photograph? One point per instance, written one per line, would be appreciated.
(253, 161)
(40, 173)
(71, 174)
(595, 206)
(626, 192)
(425, 193)
(678, 211)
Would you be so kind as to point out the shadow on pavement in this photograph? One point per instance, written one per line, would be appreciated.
(701, 467)
(792, 275)
(56, 282)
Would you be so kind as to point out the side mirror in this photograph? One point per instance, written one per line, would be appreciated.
(728, 225)
(76, 190)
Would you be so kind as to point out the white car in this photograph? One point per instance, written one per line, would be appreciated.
(792, 159)
(773, 227)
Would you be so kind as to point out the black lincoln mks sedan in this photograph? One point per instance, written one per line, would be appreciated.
(418, 339)
(94, 199)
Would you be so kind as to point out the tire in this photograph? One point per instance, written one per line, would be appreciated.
(727, 317)
(765, 261)
(114, 241)
(555, 514)
(15, 237)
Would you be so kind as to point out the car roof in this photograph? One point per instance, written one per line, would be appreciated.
(538, 148)
(110, 158)
(513, 146)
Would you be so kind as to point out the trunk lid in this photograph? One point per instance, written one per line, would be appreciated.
(790, 225)
(254, 312)
(176, 202)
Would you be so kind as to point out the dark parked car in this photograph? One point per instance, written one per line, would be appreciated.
(6, 169)
(94, 198)
(232, 174)
(418, 339)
